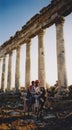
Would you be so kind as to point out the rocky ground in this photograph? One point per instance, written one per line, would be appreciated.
(57, 115)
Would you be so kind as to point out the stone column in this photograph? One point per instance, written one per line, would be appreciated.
(0, 66)
(0, 72)
(28, 64)
(9, 71)
(62, 76)
(3, 74)
(17, 72)
(41, 59)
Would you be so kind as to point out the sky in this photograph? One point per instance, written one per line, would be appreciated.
(13, 15)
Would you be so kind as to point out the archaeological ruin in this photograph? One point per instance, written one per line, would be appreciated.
(54, 13)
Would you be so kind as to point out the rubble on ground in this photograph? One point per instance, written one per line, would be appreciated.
(57, 114)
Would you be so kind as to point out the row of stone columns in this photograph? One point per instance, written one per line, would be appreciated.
(62, 78)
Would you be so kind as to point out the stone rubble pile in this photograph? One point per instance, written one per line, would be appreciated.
(56, 115)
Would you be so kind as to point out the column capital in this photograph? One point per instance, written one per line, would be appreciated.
(41, 32)
(0, 58)
(18, 48)
(4, 56)
(28, 41)
(60, 20)
(10, 53)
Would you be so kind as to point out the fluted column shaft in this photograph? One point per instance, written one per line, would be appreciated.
(3, 74)
(41, 59)
(9, 72)
(17, 72)
(28, 64)
(62, 76)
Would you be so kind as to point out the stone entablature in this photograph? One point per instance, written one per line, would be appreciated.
(45, 18)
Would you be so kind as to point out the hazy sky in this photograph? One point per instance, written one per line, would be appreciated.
(14, 14)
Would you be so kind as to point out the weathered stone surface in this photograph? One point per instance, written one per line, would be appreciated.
(41, 60)
(62, 77)
(9, 72)
(28, 64)
(57, 116)
(44, 19)
(3, 74)
(49, 15)
(17, 71)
